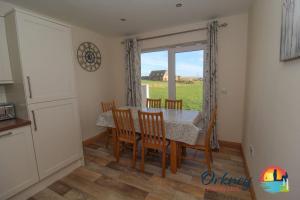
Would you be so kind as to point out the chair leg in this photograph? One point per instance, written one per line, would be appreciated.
(108, 133)
(142, 159)
(118, 151)
(134, 155)
(164, 162)
(114, 141)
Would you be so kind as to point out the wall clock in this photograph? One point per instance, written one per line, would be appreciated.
(89, 56)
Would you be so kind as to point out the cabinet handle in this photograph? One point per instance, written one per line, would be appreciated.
(29, 87)
(34, 120)
(6, 134)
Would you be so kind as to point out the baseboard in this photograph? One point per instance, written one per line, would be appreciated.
(252, 192)
(34, 189)
(93, 139)
(234, 145)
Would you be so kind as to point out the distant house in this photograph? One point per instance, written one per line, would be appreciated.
(159, 75)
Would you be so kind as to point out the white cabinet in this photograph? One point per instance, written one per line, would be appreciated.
(56, 135)
(17, 161)
(5, 71)
(42, 62)
(47, 58)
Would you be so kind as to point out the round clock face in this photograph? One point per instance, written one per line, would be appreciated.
(89, 56)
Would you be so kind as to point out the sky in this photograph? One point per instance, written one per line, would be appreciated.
(187, 63)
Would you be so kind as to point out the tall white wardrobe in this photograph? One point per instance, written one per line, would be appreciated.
(41, 56)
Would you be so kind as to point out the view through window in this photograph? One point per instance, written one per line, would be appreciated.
(189, 79)
(187, 68)
(154, 71)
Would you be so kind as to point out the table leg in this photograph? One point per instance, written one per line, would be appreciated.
(173, 156)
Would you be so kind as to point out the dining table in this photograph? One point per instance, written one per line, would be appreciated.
(180, 126)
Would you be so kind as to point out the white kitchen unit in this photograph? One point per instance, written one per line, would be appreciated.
(46, 57)
(41, 55)
(18, 168)
(5, 71)
(56, 135)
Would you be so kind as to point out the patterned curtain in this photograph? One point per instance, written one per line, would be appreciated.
(133, 72)
(210, 77)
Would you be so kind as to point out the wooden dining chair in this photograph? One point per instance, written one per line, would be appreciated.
(108, 106)
(153, 136)
(153, 103)
(173, 104)
(203, 144)
(125, 132)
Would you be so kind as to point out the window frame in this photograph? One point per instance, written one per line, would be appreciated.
(172, 50)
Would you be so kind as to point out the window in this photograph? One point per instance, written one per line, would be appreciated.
(181, 78)
(153, 85)
(189, 78)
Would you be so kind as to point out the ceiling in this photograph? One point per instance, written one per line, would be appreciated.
(103, 16)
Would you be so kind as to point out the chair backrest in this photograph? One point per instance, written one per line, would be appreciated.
(153, 103)
(124, 124)
(108, 106)
(211, 126)
(152, 128)
(173, 104)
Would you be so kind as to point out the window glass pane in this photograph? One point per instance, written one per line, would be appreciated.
(154, 71)
(189, 79)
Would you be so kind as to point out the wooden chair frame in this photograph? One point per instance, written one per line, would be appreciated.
(153, 135)
(108, 106)
(125, 131)
(173, 104)
(206, 147)
(153, 103)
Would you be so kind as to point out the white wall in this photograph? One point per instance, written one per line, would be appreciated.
(92, 87)
(231, 70)
(272, 114)
(118, 82)
(2, 94)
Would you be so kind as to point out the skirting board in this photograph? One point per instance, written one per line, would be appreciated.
(91, 140)
(234, 145)
(31, 191)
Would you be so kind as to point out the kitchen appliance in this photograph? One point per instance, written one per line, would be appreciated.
(7, 111)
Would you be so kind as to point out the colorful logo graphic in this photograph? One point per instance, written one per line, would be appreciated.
(274, 180)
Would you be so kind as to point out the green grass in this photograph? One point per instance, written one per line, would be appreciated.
(191, 94)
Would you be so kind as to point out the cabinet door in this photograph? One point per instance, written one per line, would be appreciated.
(46, 58)
(56, 135)
(5, 71)
(17, 161)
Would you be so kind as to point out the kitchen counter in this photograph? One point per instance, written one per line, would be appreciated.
(13, 123)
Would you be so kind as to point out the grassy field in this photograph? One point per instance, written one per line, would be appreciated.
(191, 94)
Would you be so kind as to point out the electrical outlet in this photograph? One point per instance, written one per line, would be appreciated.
(251, 150)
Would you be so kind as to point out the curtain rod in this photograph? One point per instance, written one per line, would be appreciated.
(177, 33)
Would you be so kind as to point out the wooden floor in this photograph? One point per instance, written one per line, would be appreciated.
(103, 178)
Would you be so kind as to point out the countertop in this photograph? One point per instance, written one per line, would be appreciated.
(13, 123)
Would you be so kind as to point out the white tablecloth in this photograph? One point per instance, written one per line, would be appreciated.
(181, 125)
